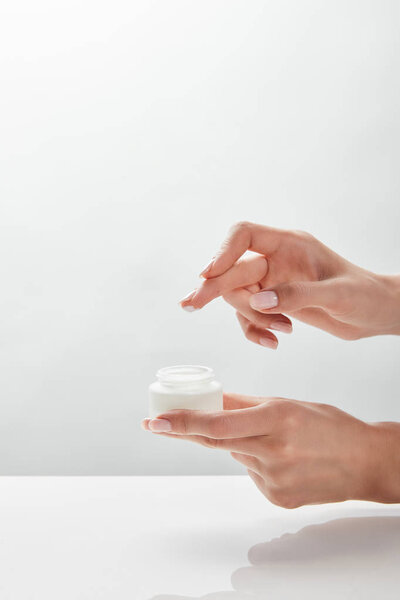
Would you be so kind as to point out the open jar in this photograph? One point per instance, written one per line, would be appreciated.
(185, 387)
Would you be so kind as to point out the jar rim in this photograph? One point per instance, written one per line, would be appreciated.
(184, 374)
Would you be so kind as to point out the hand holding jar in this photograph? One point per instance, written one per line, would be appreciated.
(296, 452)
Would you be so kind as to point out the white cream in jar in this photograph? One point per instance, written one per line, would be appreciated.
(184, 386)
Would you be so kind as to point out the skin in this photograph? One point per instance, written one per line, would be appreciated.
(296, 452)
(312, 283)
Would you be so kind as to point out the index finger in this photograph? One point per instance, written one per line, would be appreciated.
(241, 237)
(226, 424)
(243, 273)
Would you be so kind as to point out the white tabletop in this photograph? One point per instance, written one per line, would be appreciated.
(140, 538)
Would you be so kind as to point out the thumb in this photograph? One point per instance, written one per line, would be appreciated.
(289, 297)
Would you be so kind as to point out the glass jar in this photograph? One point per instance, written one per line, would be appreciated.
(185, 386)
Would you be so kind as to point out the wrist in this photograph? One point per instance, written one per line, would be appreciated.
(390, 284)
(381, 463)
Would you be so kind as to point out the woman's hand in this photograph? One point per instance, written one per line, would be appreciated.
(296, 274)
(297, 452)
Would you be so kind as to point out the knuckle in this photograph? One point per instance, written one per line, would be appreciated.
(284, 456)
(292, 422)
(242, 226)
(239, 318)
(328, 409)
(242, 322)
(211, 442)
(286, 413)
(276, 403)
(183, 424)
(248, 336)
(302, 236)
(260, 320)
(279, 406)
(296, 290)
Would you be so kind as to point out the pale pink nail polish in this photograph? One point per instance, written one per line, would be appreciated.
(189, 296)
(264, 300)
(268, 343)
(160, 425)
(281, 326)
(207, 268)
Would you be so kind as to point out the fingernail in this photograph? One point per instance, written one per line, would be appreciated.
(188, 298)
(160, 425)
(264, 300)
(268, 343)
(281, 326)
(207, 268)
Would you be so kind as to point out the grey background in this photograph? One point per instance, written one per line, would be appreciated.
(133, 134)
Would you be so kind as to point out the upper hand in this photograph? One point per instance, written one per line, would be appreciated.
(294, 273)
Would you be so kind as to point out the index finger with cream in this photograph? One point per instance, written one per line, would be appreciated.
(243, 273)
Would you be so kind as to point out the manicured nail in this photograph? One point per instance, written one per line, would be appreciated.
(264, 300)
(160, 425)
(283, 326)
(188, 298)
(207, 268)
(268, 343)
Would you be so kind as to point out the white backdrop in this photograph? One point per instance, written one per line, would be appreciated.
(133, 134)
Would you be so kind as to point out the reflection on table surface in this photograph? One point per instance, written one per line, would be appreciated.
(342, 558)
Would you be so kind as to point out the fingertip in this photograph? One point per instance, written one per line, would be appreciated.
(219, 265)
(206, 271)
(145, 424)
(264, 300)
(188, 302)
(188, 308)
(282, 325)
(269, 342)
(206, 292)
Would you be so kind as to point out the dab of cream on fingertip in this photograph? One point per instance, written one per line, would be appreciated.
(189, 308)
